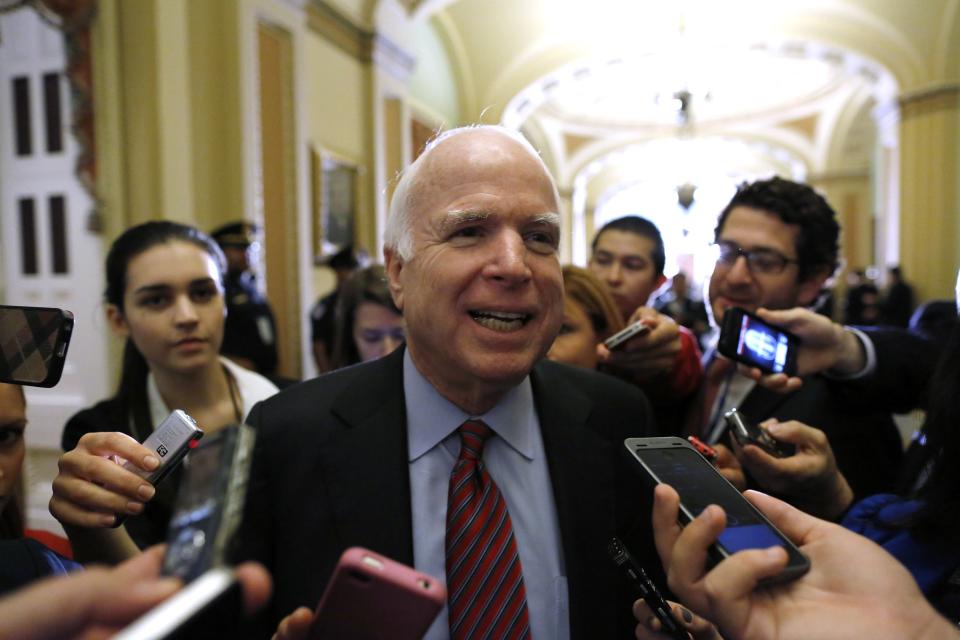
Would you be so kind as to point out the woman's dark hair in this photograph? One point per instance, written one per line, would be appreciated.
(940, 493)
(365, 285)
(132, 391)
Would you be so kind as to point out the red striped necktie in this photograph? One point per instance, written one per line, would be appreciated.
(486, 597)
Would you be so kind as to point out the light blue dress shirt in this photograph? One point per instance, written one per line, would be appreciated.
(516, 461)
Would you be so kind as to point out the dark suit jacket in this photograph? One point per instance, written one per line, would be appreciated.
(330, 472)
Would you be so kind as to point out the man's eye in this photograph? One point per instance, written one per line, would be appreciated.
(10, 435)
(542, 242)
(466, 232)
(565, 329)
(154, 302)
(204, 294)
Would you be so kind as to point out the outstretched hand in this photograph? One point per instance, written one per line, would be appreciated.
(854, 589)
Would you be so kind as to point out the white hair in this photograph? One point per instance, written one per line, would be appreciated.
(398, 236)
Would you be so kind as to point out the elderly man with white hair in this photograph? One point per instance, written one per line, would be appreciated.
(465, 454)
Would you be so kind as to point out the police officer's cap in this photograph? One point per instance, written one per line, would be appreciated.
(343, 259)
(236, 234)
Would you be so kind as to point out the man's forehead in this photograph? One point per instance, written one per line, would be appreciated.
(625, 243)
(756, 228)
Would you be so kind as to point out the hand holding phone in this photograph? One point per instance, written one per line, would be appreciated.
(170, 441)
(371, 596)
(747, 432)
(674, 462)
(621, 337)
(746, 338)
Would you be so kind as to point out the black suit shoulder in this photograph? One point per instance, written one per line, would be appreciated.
(615, 406)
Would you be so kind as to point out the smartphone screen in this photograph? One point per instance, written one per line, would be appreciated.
(672, 461)
(750, 340)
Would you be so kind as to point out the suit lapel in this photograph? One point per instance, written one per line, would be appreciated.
(583, 488)
(366, 464)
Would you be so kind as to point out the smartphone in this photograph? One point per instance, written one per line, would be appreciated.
(209, 503)
(747, 432)
(209, 607)
(674, 462)
(176, 435)
(646, 588)
(371, 596)
(632, 331)
(33, 344)
(746, 338)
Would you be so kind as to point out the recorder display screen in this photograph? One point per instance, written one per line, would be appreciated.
(762, 344)
(699, 486)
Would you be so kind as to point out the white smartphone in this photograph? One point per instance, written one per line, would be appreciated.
(632, 331)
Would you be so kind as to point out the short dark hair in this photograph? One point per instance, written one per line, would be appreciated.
(640, 227)
(819, 242)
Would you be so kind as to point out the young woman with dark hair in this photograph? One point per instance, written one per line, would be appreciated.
(164, 295)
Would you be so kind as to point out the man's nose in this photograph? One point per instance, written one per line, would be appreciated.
(739, 271)
(509, 261)
(614, 273)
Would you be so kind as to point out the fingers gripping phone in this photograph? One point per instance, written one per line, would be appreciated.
(746, 432)
(170, 441)
(371, 596)
(621, 337)
(746, 338)
(209, 504)
(674, 462)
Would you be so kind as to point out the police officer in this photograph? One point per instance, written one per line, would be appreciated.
(250, 331)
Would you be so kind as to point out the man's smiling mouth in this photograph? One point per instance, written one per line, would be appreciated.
(503, 321)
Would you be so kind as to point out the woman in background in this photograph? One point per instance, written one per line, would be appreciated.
(164, 295)
(590, 316)
(368, 323)
(24, 555)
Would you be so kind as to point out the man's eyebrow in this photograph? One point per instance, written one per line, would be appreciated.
(458, 217)
(152, 288)
(551, 219)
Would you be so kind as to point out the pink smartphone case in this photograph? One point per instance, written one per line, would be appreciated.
(371, 596)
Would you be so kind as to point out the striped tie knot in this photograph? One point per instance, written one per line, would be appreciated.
(473, 435)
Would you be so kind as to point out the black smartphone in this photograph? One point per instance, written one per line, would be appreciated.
(746, 338)
(645, 588)
(33, 344)
(209, 503)
(209, 607)
(748, 432)
(674, 462)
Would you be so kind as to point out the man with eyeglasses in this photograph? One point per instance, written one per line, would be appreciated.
(776, 246)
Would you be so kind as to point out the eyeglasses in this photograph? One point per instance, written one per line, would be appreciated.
(765, 261)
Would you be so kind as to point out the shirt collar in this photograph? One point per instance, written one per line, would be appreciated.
(431, 418)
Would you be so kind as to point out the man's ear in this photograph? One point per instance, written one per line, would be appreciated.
(811, 287)
(117, 322)
(394, 264)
